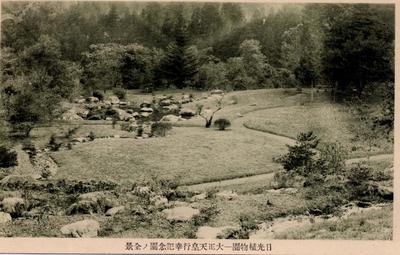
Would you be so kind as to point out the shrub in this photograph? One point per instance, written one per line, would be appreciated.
(360, 183)
(206, 215)
(160, 128)
(71, 131)
(53, 143)
(120, 93)
(222, 123)
(300, 156)
(92, 136)
(8, 158)
(247, 225)
(98, 94)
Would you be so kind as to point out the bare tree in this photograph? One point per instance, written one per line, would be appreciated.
(209, 117)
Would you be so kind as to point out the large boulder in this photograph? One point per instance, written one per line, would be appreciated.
(171, 108)
(93, 202)
(5, 218)
(115, 210)
(166, 102)
(171, 118)
(146, 109)
(187, 113)
(227, 194)
(114, 100)
(123, 115)
(217, 92)
(83, 228)
(145, 104)
(206, 232)
(184, 213)
(13, 205)
(70, 115)
(92, 99)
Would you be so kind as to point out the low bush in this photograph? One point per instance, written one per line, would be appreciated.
(98, 94)
(247, 225)
(360, 183)
(206, 215)
(8, 158)
(91, 136)
(222, 123)
(160, 128)
(71, 132)
(120, 93)
(54, 145)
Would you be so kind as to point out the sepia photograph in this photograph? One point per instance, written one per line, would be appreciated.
(197, 120)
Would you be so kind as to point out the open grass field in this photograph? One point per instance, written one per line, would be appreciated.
(191, 154)
(330, 122)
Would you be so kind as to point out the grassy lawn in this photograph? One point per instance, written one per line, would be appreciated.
(330, 122)
(41, 135)
(193, 155)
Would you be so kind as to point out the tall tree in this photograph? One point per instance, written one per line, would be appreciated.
(358, 49)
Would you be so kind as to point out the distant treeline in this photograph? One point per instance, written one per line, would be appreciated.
(199, 45)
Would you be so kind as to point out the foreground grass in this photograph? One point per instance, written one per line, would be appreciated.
(193, 155)
(330, 122)
(371, 225)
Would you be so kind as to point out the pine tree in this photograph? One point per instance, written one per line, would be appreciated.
(180, 63)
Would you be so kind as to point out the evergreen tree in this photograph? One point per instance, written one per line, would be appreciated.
(180, 64)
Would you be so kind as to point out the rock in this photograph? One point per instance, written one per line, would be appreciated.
(13, 205)
(227, 194)
(79, 100)
(145, 114)
(5, 218)
(92, 100)
(239, 115)
(70, 115)
(123, 115)
(107, 103)
(184, 101)
(253, 104)
(93, 202)
(171, 108)
(170, 118)
(142, 191)
(109, 119)
(145, 136)
(181, 213)
(186, 98)
(386, 192)
(146, 127)
(79, 140)
(14, 178)
(187, 113)
(217, 92)
(115, 210)
(146, 109)
(161, 98)
(206, 232)
(130, 111)
(145, 104)
(136, 115)
(114, 100)
(83, 228)
(123, 103)
(160, 201)
(198, 197)
(95, 117)
(166, 102)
